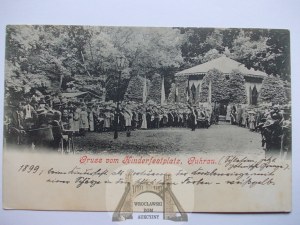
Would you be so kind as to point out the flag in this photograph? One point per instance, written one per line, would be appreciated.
(145, 90)
(163, 94)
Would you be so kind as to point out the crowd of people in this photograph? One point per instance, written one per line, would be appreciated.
(272, 121)
(41, 122)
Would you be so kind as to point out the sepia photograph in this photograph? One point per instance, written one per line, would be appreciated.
(121, 113)
(128, 112)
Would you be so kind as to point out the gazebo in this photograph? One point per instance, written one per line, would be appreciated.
(192, 78)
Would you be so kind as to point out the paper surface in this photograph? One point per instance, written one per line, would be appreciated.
(169, 169)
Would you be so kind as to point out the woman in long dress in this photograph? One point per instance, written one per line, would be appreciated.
(76, 118)
(144, 120)
(83, 121)
(228, 110)
(91, 120)
(107, 117)
(251, 120)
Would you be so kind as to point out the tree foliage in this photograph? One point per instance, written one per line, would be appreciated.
(236, 88)
(59, 53)
(272, 90)
(135, 89)
(74, 58)
(219, 87)
(155, 90)
(171, 96)
(261, 49)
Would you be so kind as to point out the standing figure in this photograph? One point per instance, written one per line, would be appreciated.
(70, 125)
(144, 119)
(107, 119)
(127, 117)
(57, 130)
(193, 118)
(251, 120)
(76, 118)
(233, 115)
(44, 132)
(148, 118)
(83, 121)
(91, 119)
(228, 112)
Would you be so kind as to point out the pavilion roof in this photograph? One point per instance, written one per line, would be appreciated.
(223, 64)
(78, 94)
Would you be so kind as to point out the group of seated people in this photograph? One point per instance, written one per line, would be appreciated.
(273, 122)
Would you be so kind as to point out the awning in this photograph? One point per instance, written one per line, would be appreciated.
(73, 94)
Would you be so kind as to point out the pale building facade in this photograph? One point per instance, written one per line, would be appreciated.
(193, 77)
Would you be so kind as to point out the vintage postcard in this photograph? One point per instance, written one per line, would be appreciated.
(140, 119)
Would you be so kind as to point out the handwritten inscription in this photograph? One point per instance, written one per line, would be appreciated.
(227, 170)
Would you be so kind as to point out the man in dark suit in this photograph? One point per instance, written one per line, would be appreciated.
(193, 118)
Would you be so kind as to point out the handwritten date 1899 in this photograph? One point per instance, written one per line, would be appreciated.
(29, 168)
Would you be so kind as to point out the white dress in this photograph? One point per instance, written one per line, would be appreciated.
(128, 118)
(76, 119)
(228, 113)
(91, 121)
(144, 122)
(107, 119)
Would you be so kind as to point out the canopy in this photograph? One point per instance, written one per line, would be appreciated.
(78, 94)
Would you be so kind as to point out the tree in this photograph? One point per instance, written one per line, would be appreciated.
(219, 86)
(171, 96)
(267, 50)
(155, 89)
(210, 55)
(272, 90)
(194, 46)
(59, 53)
(135, 89)
(149, 51)
(236, 88)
